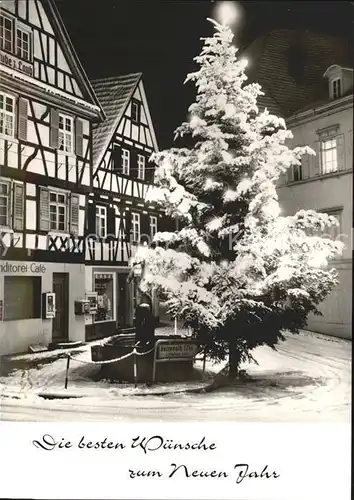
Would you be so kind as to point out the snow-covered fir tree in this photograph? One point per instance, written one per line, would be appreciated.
(237, 272)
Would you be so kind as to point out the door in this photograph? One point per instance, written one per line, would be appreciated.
(61, 320)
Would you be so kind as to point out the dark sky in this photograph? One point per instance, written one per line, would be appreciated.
(160, 39)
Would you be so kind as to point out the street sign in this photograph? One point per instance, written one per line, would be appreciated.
(177, 350)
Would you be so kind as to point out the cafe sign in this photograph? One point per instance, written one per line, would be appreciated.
(17, 64)
(177, 350)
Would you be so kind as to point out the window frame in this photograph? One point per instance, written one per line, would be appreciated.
(135, 222)
(58, 204)
(125, 161)
(334, 212)
(24, 30)
(141, 167)
(101, 214)
(8, 183)
(323, 163)
(137, 105)
(36, 300)
(5, 113)
(65, 133)
(153, 224)
(336, 89)
(13, 32)
(113, 305)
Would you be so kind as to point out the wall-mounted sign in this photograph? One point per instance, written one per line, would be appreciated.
(14, 63)
(92, 298)
(48, 310)
(177, 350)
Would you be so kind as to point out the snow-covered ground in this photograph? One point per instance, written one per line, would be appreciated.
(307, 379)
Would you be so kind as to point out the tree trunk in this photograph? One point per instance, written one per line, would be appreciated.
(234, 359)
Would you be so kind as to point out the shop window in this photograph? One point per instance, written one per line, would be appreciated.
(104, 286)
(22, 297)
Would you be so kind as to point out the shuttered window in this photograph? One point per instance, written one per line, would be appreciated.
(54, 128)
(74, 214)
(135, 220)
(79, 148)
(141, 167)
(6, 33)
(125, 161)
(66, 133)
(101, 221)
(22, 118)
(18, 211)
(153, 226)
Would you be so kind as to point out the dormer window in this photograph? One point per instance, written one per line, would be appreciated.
(336, 88)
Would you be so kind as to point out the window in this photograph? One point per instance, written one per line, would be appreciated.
(104, 286)
(153, 226)
(22, 297)
(66, 133)
(135, 111)
(141, 167)
(125, 161)
(336, 88)
(23, 42)
(101, 221)
(7, 115)
(6, 33)
(297, 172)
(5, 203)
(58, 211)
(329, 156)
(136, 227)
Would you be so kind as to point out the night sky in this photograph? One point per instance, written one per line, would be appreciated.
(160, 39)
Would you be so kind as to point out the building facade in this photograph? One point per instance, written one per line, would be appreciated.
(119, 219)
(325, 183)
(47, 111)
(313, 92)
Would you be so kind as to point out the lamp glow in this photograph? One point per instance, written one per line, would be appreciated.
(227, 12)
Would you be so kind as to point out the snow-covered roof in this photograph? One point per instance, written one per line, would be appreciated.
(114, 94)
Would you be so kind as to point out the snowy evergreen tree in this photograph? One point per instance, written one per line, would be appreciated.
(237, 271)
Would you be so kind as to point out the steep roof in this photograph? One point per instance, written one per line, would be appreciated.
(268, 65)
(114, 94)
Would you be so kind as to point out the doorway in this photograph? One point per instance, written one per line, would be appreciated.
(60, 331)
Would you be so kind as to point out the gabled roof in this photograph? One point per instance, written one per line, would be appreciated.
(268, 65)
(69, 51)
(114, 94)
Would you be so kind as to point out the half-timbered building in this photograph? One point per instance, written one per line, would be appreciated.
(47, 110)
(119, 218)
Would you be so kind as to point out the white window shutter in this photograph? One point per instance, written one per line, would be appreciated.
(18, 213)
(340, 152)
(79, 149)
(44, 209)
(316, 160)
(305, 166)
(290, 174)
(22, 119)
(74, 214)
(54, 128)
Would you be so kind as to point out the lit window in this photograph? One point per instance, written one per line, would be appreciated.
(329, 156)
(135, 111)
(336, 88)
(126, 161)
(153, 226)
(58, 211)
(7, 115)
(136, 227)
(23, 41)
(66, 133)
(101, 221)
(6, 33)
(5, 199)
(141, 167)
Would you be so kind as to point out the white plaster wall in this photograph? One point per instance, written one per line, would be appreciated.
(16, 336)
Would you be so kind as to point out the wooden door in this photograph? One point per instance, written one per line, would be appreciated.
(124, 302)
(61, 320)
